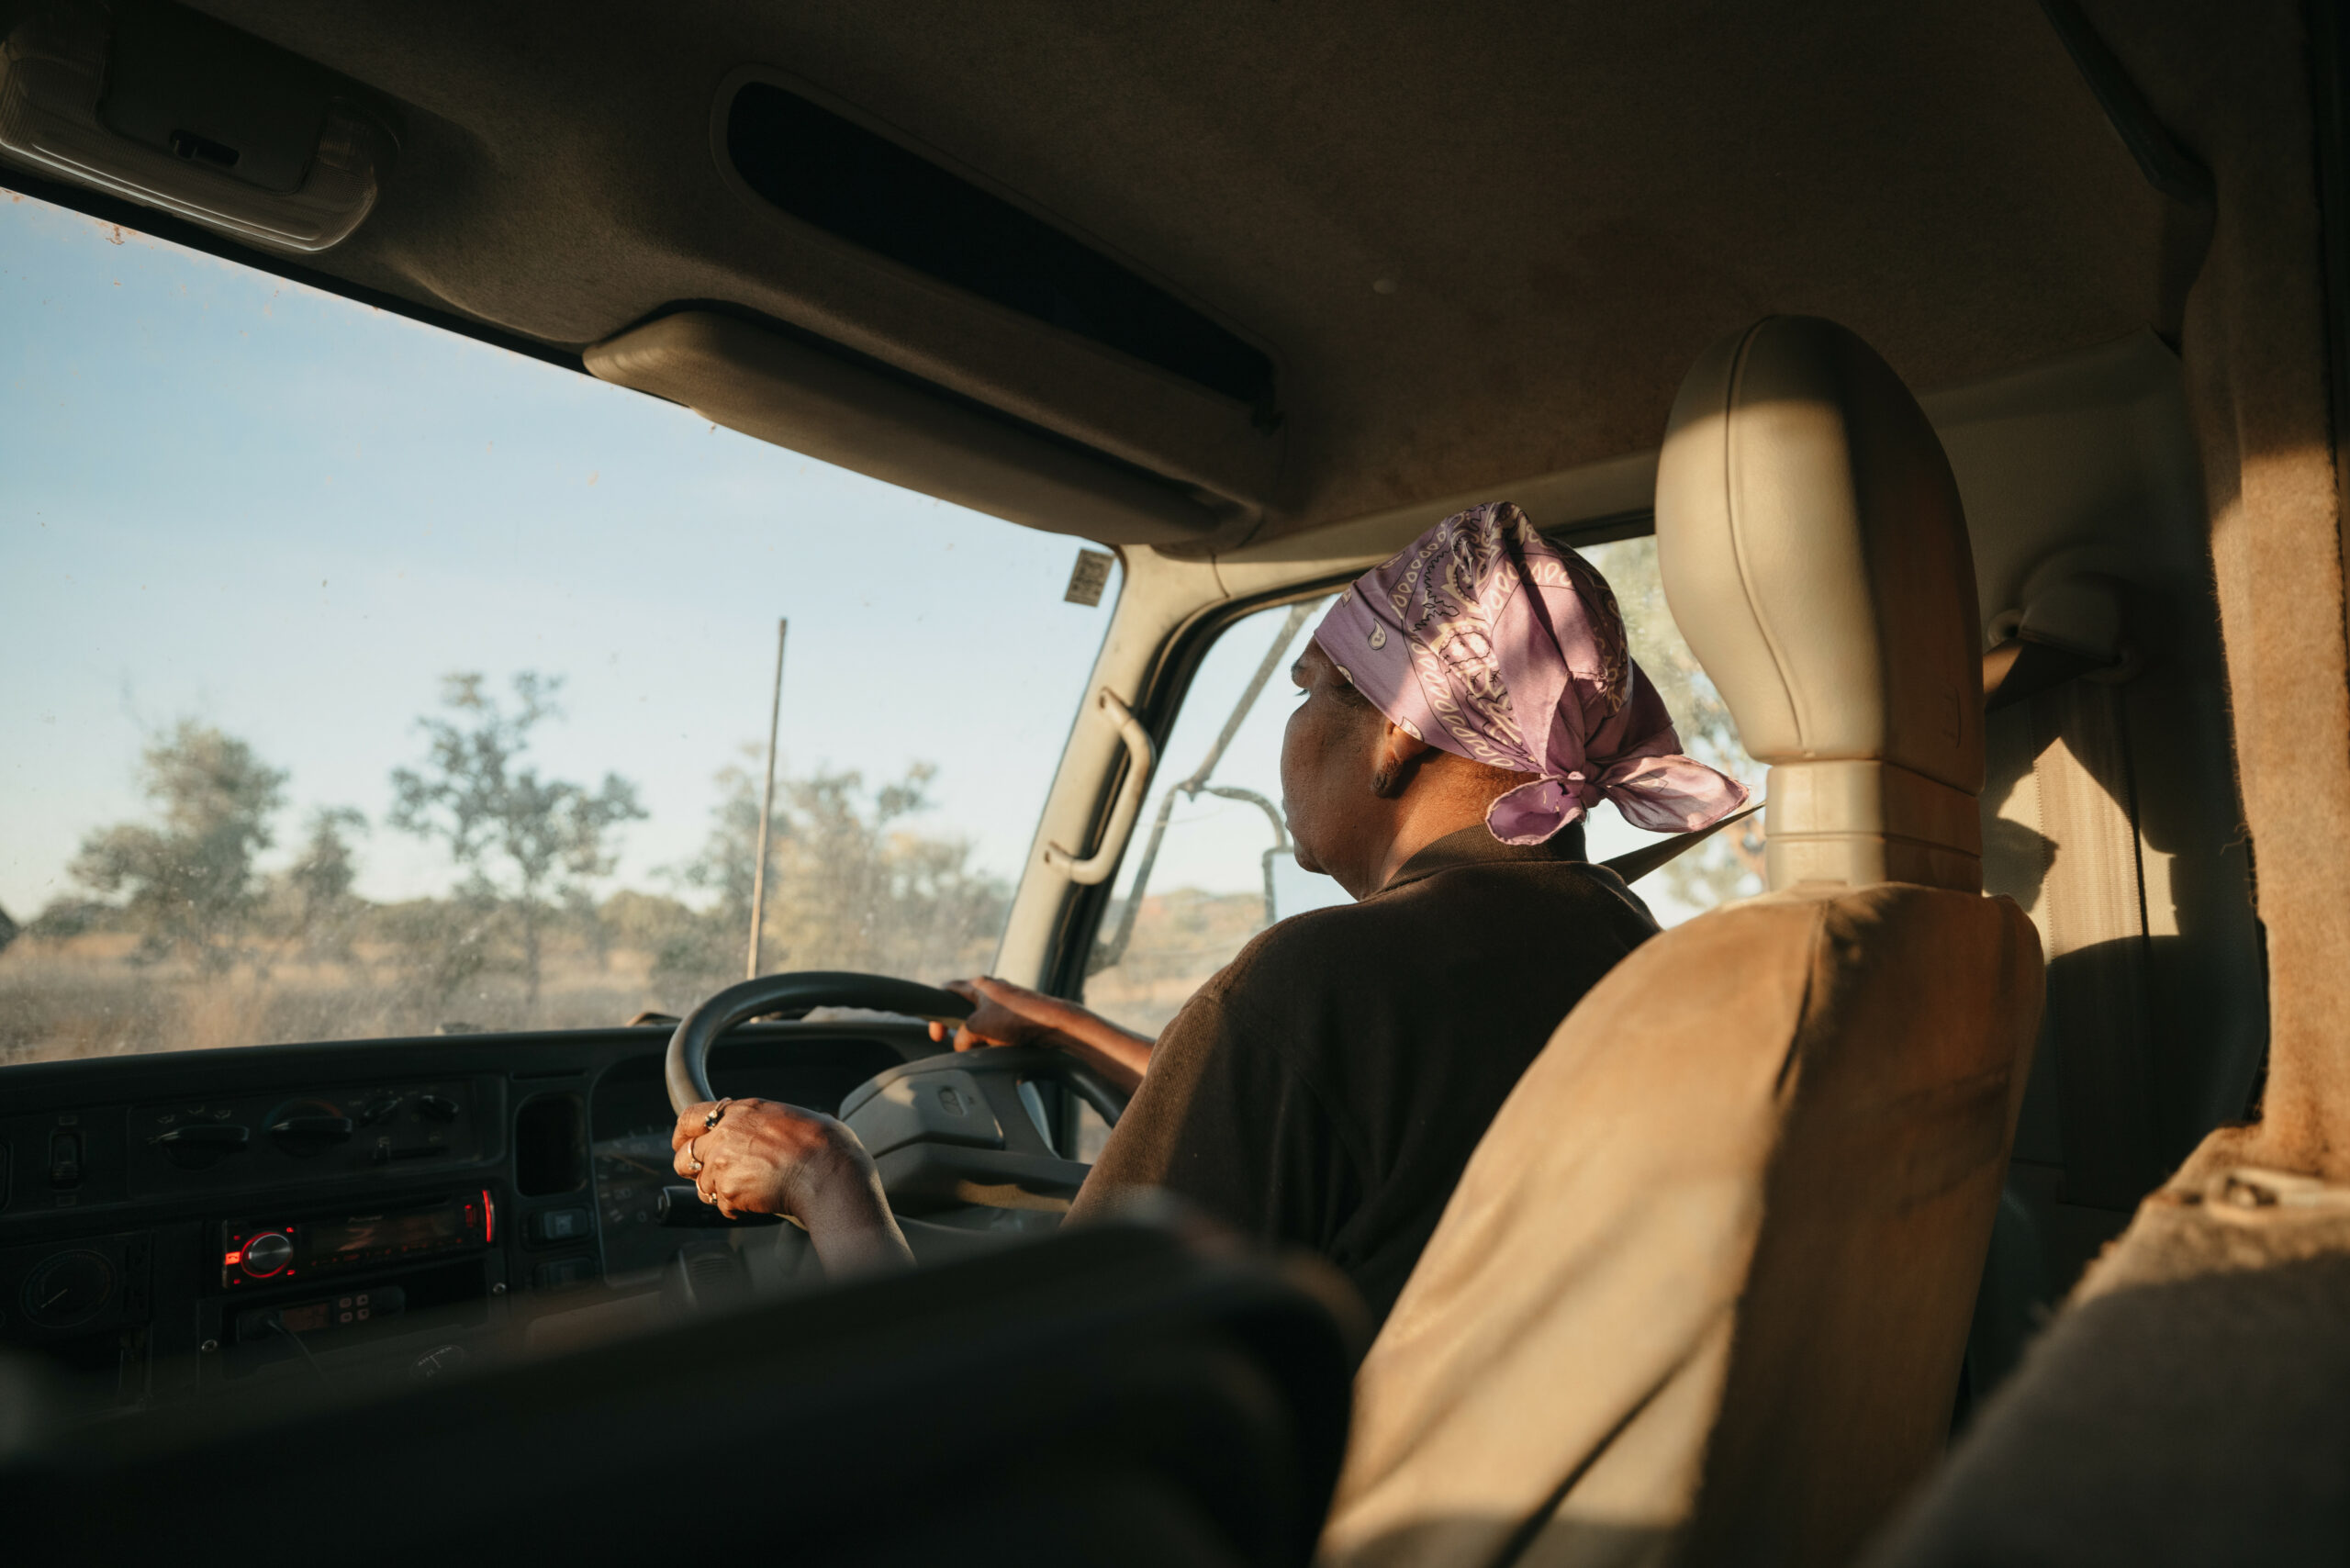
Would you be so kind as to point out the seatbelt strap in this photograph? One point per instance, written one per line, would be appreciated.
(2092, 919)
(1655, 857)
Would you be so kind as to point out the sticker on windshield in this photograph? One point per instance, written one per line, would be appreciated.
(1089, 577)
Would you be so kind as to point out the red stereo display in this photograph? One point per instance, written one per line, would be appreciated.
(259, 1251)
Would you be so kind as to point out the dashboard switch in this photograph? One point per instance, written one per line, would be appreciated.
(66, 1159)
(559, 1225)
(563, 1273)
(436, 1107)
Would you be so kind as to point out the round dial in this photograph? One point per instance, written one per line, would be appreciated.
(67, 1289)
(266, 1254)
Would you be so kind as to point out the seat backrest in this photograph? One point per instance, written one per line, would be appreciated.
(1703, 1290)
(1123, 1391)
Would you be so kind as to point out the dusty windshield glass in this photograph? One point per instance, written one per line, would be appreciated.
(369, 680)
(1210, 866)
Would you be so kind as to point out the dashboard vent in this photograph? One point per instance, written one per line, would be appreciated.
(549, 1146)
(842, 178)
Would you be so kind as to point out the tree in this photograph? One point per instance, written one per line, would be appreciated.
(693, 952)
(850, 885)
(186, 884)
(319, 884)
(854, 887)
(729, 858)
(441, 945)
(525, 842)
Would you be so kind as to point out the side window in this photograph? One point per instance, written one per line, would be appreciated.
(1209, 865)
(1728, 865)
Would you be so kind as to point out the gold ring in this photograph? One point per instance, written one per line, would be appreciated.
(694, 1154)
(709, 1118)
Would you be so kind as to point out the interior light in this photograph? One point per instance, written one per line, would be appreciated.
(63, 111)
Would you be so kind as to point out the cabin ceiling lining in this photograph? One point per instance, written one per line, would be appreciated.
(1570, 199)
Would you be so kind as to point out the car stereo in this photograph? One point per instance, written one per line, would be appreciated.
(254, 1251)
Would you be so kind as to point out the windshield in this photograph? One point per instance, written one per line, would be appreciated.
(368, 681)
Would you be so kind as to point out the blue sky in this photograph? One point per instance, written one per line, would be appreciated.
(229, 498)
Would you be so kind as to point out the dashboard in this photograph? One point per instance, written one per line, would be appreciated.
(184, 1226)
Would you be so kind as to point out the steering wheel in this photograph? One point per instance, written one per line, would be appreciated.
(944, 1131)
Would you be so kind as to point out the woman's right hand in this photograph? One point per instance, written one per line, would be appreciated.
(1007, 1015)
(1004, 1014)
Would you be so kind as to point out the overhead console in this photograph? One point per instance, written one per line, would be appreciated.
(827, 170)
(956, 341)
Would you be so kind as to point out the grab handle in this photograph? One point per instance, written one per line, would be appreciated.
(1142, 755)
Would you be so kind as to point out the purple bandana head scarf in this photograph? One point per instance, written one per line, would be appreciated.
(1483, 640)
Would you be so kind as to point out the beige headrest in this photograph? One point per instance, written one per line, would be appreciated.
(1815, 554)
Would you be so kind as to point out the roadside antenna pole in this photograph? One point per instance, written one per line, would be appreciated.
(767, 807)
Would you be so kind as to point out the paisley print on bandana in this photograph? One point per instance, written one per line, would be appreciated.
(1484, 639)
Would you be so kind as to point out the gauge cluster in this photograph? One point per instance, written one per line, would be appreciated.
(630, 1171)
(97, 1283)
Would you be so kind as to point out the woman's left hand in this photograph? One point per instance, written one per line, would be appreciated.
(765, 1157)
(752, 1156)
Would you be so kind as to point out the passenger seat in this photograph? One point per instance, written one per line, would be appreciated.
(1703, 1291)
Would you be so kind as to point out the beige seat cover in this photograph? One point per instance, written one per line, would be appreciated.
(1703, 1291)
(1662, 1189)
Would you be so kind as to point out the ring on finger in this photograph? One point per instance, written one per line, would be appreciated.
(694, 1154)
(711, 1118)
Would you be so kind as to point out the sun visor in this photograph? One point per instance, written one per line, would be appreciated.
(800, 395)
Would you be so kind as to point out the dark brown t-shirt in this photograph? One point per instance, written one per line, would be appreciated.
(1326, 1087)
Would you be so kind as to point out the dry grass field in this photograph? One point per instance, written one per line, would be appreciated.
(96, 995)
(92, 995)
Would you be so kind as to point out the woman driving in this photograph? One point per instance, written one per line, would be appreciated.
(1463, 708)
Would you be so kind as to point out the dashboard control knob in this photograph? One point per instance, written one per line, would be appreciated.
(267, 1254)
(201, 1147)
(436, 1107)
(67, 1289)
